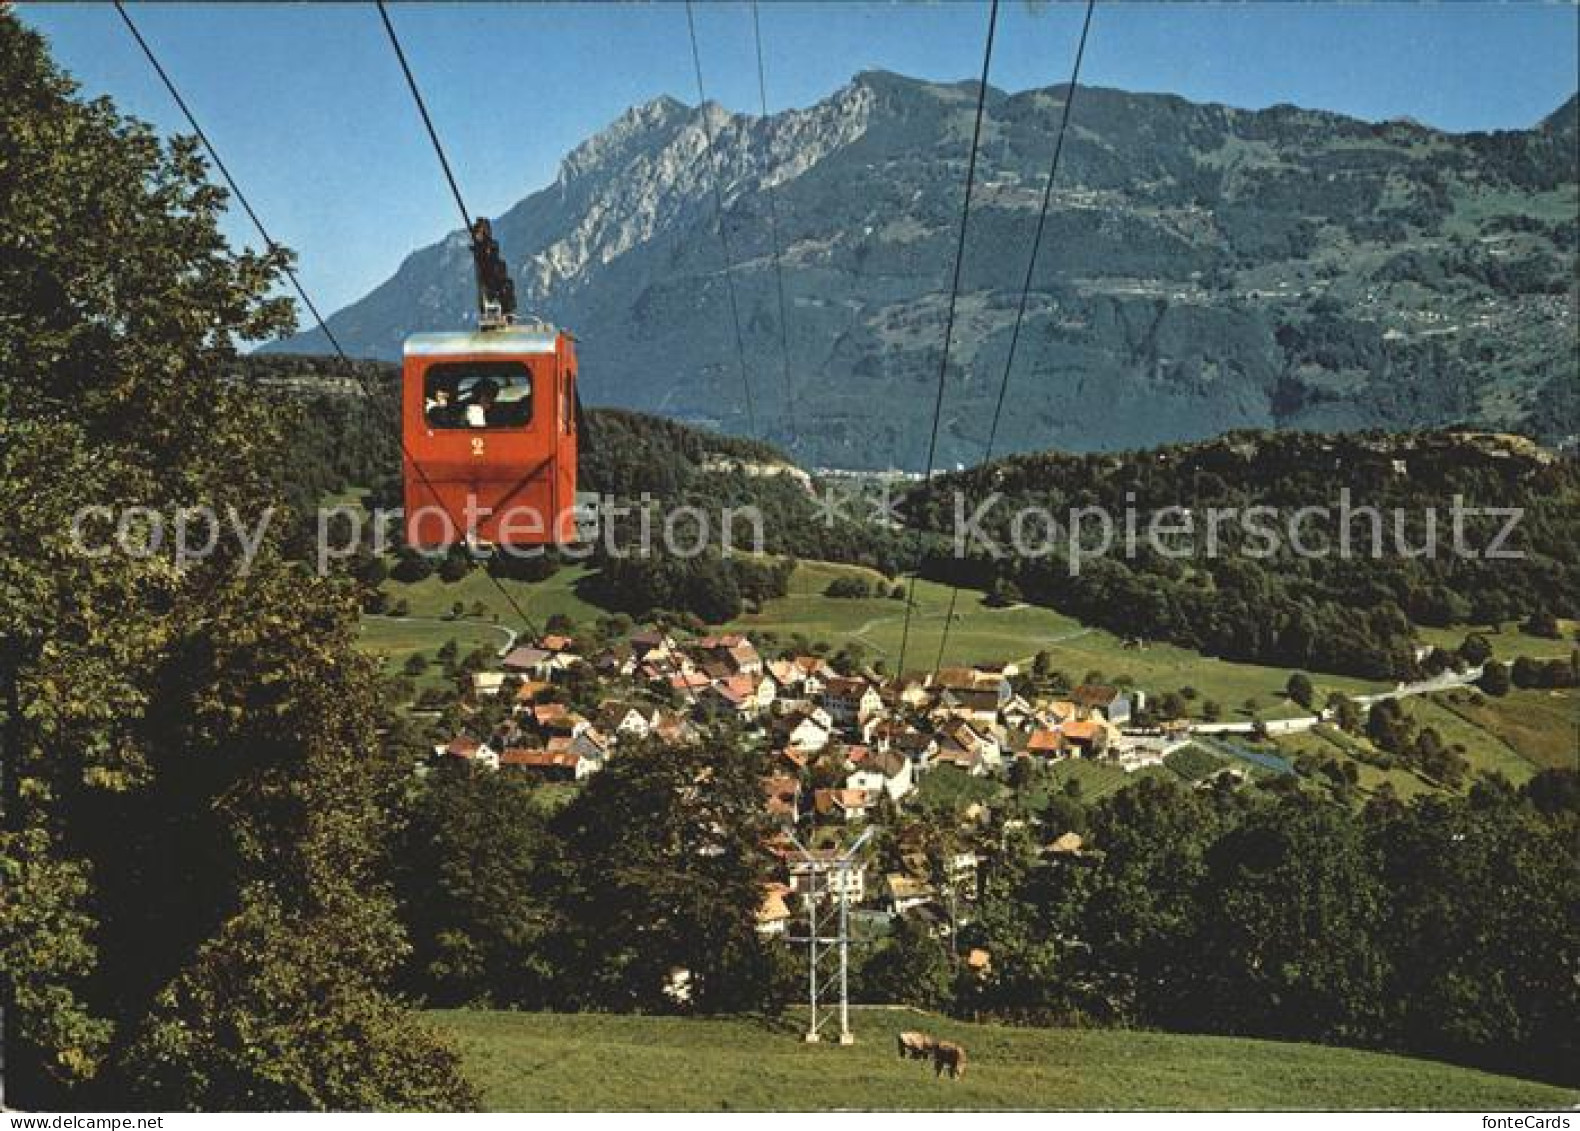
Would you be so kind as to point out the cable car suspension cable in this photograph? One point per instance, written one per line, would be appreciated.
(427, 121)
(290, 274)
(718, 209)
(494, 285)
(773, 237)
(1025, 291)
(949, 322)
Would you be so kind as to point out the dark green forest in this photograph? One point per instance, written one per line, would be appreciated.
(1332, 611)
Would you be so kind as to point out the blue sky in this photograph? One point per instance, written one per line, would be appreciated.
(307, 105)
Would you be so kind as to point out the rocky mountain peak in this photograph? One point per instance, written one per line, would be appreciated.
(1565, 119)
(1203, 269)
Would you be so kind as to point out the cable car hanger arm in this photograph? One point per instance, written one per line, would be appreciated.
(496, 290)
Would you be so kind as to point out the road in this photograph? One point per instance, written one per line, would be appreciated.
(1443, 682)
(510, 633)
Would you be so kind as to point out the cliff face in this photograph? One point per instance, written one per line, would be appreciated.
(1203, 268)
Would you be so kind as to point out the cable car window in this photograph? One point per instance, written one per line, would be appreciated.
(477, 394)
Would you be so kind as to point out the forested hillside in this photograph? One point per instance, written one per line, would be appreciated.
(1335, 610)
(1188, 909)
(1354, 612)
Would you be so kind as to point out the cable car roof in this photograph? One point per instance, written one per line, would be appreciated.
(505, 340)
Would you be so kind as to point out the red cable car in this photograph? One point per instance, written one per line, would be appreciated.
(489, 422)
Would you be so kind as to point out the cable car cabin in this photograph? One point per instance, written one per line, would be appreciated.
(489, 421)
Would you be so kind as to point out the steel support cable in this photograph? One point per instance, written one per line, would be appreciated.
(711, 152)
(949, 322)
(290, 274)
(773, 237)
(1025, 292)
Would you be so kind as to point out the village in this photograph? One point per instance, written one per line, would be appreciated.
(848, 749)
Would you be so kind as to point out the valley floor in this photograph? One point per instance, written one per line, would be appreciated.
(535, 1061)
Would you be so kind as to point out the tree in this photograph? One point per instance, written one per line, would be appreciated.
(1345, 712)
(848, 588)
(411, 565)
(415, 664)
(479, 878)
(1389, 728)
(198, 786)
(1542, 623)
(1003, 594)
(1494, 679)
(251, 1008)
(1289, 944)
(1300, 690)
(666, 872)
(1480, 919)
(1142, 897)
(456, 565)
(1475, 649)
(47, 951)
(912, 968)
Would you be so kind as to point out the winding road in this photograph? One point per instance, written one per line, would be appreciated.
(509, 633)
(1445, 681)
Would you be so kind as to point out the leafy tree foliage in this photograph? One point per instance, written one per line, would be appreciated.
(912, 968)
(1291, 904)
(654, 866)
(478, 869)
(1481, 930)
(664, 872)
(1495, 679)
(848, 588)
(1444, 928)
(195, 785)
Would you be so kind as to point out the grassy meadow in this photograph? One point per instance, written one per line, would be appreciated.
(1508, 642)
(557, 1062)
(979, 633)
(983, 634)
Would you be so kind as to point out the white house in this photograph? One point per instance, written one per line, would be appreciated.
(802, 881)
(850, 702)
(886, 770)
(807, 732)
(902, 892)
(487, 683)
(625, 720)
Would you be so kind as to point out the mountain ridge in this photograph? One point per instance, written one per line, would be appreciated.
(1205, 268)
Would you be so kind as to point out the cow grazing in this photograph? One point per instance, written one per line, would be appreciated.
(916, 1046)
(947, 1054)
